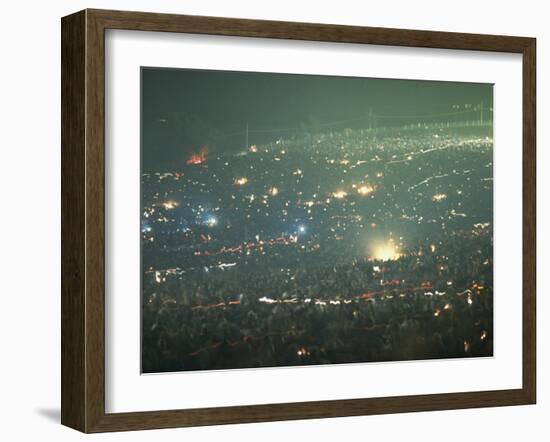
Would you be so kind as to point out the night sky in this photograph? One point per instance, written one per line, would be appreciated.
(184, 110)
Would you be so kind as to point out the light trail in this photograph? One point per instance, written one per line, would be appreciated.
(427, 180)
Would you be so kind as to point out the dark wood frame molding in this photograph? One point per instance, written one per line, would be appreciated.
(83, 217)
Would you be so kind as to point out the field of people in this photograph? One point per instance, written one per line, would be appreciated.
(337, 247)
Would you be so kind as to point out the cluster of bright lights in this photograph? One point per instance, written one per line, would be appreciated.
(267, 300)
(159, 277)
(169, 205)
(439, 197)
(240, 181)
(387, 251)
(273, 191)
(365, 189)
(482, 225)
(211, 221)
(340, 194)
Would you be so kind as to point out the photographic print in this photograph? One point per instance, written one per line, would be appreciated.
(293, 220)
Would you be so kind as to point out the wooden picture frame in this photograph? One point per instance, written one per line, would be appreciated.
(83, 220)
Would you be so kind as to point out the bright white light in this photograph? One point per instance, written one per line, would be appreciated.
(386, 251)
(240, 181)
(439, 197)
(339, 194)
(267, 300)
(169, 205)
(365, 190)
(302, 229)
(224, 265)
(212, 221)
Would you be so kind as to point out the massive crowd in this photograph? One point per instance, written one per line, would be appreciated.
(266, 257)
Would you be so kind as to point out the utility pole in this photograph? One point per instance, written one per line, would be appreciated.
(246, 137)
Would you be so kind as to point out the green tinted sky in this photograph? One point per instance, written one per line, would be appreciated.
(183, 109)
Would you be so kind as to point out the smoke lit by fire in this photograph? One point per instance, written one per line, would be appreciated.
(198, 158)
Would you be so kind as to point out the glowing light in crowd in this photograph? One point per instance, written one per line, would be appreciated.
(483, 335)
(240, 181)
(302, 229)
(379, 174)
(253, 148)
(339, 194)
(229, 264)
(211, 221)
(273, 191)
(439, 197)
(198, 158)
(365, 190)
(267, 300)
(387, 251)
(482, 225)
(159, 277)
(169, 205)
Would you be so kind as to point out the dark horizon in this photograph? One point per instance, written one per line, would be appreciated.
(184, 110)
